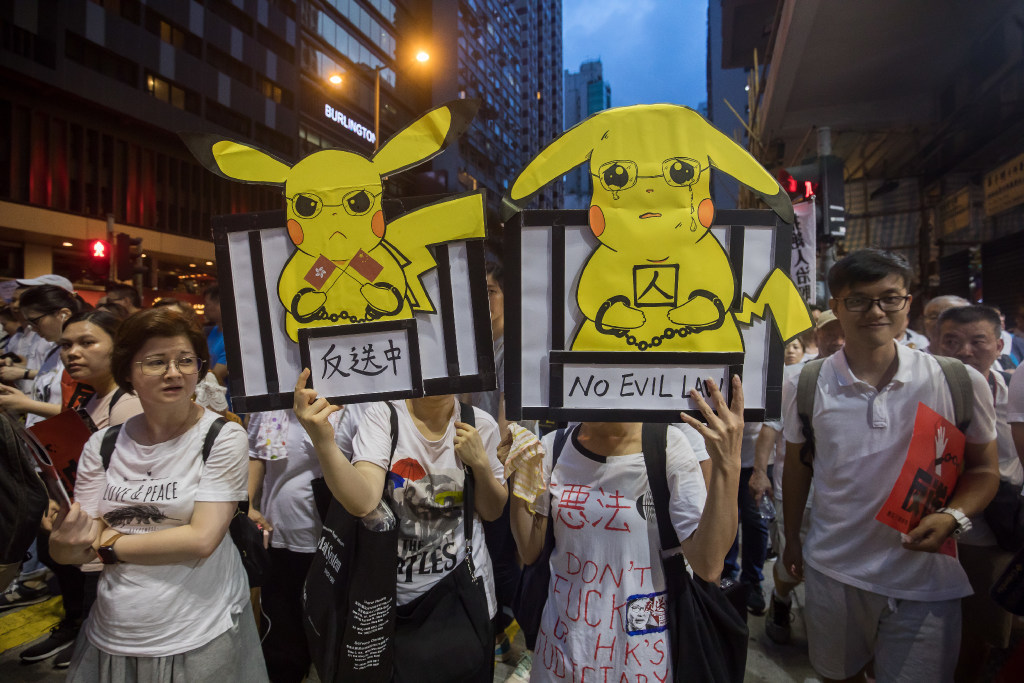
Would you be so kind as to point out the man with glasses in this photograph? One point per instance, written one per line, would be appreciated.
(971, 335)
(126, 297)
(872, 593)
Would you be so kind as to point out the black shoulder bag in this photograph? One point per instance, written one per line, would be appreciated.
(348, 600)
(445, 634)
(708, 637)
(247, 537)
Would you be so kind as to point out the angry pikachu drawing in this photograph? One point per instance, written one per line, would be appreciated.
(349, 264)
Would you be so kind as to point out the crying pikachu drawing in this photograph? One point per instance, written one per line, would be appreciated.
(349, 264)
(659, 278)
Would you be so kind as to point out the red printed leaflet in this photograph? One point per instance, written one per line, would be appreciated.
(934, 462)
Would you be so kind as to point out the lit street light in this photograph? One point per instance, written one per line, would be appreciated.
(422, 57)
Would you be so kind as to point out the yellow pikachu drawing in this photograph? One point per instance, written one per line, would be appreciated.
(350, 265)
(659, 278)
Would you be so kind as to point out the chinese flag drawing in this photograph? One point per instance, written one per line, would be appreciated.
(934, 462)
(321, 272)
(365, 265)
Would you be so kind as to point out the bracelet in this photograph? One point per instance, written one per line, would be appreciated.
(25, 376)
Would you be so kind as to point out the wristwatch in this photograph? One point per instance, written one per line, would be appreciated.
(106, 551)
(963, 523)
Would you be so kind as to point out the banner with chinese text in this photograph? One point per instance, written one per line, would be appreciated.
(804, 263)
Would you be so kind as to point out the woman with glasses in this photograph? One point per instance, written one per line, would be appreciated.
(46, 308)
(173, 597)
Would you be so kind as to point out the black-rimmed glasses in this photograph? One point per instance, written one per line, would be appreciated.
(888, 304)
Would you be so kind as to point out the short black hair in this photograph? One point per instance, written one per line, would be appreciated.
(126, 292)
(967, 315)
(496, 271)
(212, 292)
(866, 266)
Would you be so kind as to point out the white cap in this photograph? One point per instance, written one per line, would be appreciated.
(48, 279)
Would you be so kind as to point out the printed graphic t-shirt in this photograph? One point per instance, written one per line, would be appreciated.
(160, 610)
(604, 619)
(424, 489)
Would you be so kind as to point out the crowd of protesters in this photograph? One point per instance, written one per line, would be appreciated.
(174, 604)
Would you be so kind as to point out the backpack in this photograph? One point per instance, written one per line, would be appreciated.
(956, 377)
(247, 537)
(23, 499)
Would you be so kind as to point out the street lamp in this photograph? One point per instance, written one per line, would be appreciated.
(422, 57)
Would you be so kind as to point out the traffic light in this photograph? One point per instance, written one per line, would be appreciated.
(99, 259)
(128, 258)
(822, 179)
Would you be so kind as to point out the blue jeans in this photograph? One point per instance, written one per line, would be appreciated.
(755, 537)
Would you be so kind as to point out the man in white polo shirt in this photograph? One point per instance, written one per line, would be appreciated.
(871, 595)
(971, 334)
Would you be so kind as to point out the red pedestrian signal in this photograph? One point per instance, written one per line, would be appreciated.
(99, 260)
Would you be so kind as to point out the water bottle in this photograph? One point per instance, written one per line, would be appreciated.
(381, 519)
(766, 508)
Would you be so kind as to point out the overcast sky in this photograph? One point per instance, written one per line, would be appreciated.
(650, 50)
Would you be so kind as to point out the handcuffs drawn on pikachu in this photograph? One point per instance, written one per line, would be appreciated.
(349, 265)
(659, 277)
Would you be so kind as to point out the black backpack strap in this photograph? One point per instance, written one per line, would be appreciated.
(394, 428)
(211, 436)
(107, 445)
(806, 388)
(561, 436)
(961, 390)
(654, 440)
(114, 399)
(468, 495)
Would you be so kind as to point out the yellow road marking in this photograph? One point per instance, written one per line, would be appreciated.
(29, 623)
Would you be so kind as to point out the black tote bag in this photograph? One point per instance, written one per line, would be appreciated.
(348, 600)
(708, 636)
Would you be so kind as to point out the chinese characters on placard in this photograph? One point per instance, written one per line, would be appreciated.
(361, 362)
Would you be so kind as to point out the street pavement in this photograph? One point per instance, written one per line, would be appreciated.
(767, 662)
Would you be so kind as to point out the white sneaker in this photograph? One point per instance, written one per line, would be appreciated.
(522, 671)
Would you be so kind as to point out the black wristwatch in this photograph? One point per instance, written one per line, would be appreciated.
(106, 551)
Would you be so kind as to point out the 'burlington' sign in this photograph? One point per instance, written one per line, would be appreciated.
(344, 121)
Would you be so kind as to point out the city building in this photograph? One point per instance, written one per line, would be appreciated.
(930, 129)
(95, 92)
(478, 43)
(93, 95)
(586, 93)
(541, 100)
(735, 31)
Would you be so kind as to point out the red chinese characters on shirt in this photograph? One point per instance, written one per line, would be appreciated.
(572, 508)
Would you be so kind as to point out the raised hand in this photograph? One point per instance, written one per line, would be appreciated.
(313, 411)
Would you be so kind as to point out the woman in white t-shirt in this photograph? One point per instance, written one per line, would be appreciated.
(46, 308)
(605, 609)
(425, 481)
(173, 597)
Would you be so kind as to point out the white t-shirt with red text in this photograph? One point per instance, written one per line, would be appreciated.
(604, 618)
